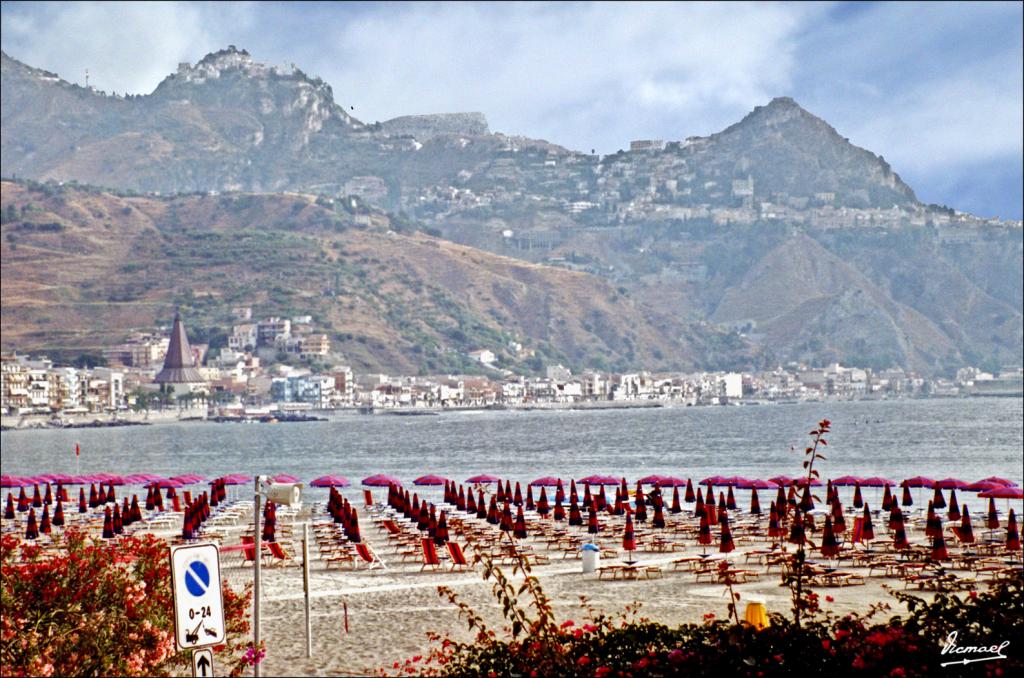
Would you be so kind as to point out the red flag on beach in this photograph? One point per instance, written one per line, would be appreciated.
(78, 451)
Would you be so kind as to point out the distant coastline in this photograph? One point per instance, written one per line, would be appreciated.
(200, 415)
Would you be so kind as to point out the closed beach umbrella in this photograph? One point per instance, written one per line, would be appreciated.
(517, 495)
(44, 523)
(938, 501)
(37, 499)
(698, 507)
(838, 519)
(31, 529)
(81, 500)
(136, 511)
(796, 530)
(618, 508)
(726, 543)
(704, 531)
(755, 503)
(572, 491)
(575, 515)
(730, 500)
(641, 510)
(601, 499)
(933, 524)
(899, 534)
(441, 536)
(806, 500)
(519, 529)
(118, 524)
(48, 497)
(689, 498)
(482, 511)
(676, 506)
(559, 491)
(424, 518)
(992, 520)
(530, 505)
(954, 506)
(592, 524)
(1012, 535)
(629, 536)
(939, 548)
(543, 507)
(108, 524)
(460, 500)
(493, 515)
(965, 533)
(470, 502)
(58, 514)
(886, 499)
(559, 514)
(829, 544)
(659, 515)
(858, 500)
(868, 530)
(709, 506)
(774, 529)
(9, 508)
(907, 500)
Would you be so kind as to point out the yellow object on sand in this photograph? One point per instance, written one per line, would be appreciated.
(756, 615)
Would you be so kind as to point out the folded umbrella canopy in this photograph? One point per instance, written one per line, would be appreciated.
(629, 537)
(530, 503)
(519, 528)
(31, 529)
(689, 498)
(938, 501)
(965, 531)
(726, 543)
(1012, 535)
(829, 543)
(907, 499)
(755, 503)
(9, 509)
(774, 529)
(954, 506)
(676, 506)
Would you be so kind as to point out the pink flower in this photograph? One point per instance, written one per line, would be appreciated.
(566, 624)
(583, 661)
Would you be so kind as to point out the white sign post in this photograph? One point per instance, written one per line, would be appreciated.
(198, 600)
(202, 663)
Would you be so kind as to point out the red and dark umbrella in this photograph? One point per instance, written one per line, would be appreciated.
(796, 530)
(517, 495)
(493, 514)
(907, 500)
(543, 508)
(9, 508)
(689, 497)
(82, 508)
(601, 499)
(933, 524)
(965, 532)
(730, 500)
(37, 499)
(118, 523)
(441, 534)
(108, 524)
(572, 490)
(806, 500)
(919, 481)
(858, 500)
(559, 513)
(482, 510)
(430, 479)
(48, 497)
(330, 481)
(867, 530)
(575, 515)
(992, 520)
(530, 504)
(899, 534)
(755, 502)
(460, 500)
(31, 529)
(423, 521)
(704, 531)
(483, 479)
(641, 510)
(629, 538)
(886, 499)
(58, 514)
(619, 508)
(1012, 535)
(658, 520)
(560, 491)
(44, 523)
(774, 529)
(381, 480)
(519, 528)
(838, 519)
(939, 547)
(1000, 481)
(676, 506)
(709, 506)
(592, 524)
(938, 501)
(954, 507)
(725, 543)
(951, 484)
(470, 502)
(829, 543)
(698, 507)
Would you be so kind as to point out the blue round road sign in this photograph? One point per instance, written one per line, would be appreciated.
(197, 578)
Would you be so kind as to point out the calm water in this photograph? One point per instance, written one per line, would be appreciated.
(969, 439)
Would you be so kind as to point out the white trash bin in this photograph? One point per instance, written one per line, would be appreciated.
(591, 558)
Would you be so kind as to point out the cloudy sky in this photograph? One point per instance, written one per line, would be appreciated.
(937, 89)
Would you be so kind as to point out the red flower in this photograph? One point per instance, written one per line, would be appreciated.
(898, 672)
(826, 644)
(567, 623)
(583, 661)
(642, 664)
(830, 599)
(973, 594)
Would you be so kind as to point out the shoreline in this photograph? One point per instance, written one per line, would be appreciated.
(30, 422)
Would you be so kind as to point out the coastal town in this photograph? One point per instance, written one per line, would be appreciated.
(281, 368)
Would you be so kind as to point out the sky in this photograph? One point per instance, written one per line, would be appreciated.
(935, 88)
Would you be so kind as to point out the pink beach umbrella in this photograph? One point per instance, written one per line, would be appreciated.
(847, 481)
(546, 481)
(1004, 493)
(15, 481)
(783, 481)
(919, 481)
(236, 479)
(430, 479)
(381, 480)
(164, 483)
(651, 480)
(951, 483)
(330, 481)
(983, 485)
(600, 480)
(757, 484)
(483, 479)
(713, 480)
(1000, 481)
(285, 478)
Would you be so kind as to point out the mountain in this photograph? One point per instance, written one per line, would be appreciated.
(775, 239)
(82, 268)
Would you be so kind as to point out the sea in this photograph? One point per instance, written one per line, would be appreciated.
(964, 438)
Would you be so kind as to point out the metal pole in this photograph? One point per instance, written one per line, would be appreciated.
(305, 586)
(258, 555)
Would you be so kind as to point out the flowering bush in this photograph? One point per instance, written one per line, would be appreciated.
(91, 608)
(630, 646)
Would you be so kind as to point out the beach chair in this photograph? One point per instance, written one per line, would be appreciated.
(391, 526)
(458, 557)
(369, 556)
(278, 557)
(430, 558)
